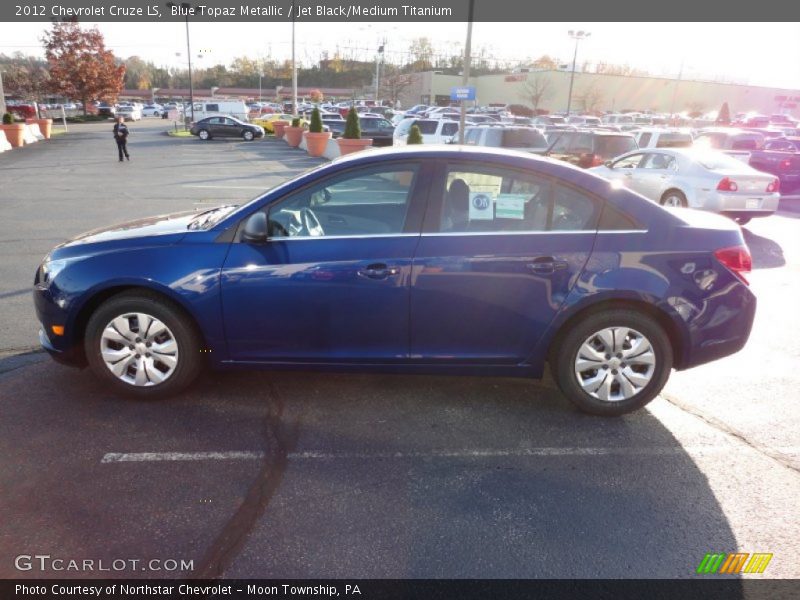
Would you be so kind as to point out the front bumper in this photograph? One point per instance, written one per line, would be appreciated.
(64, 349)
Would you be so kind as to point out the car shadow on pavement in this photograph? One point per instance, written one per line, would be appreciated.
(361, 476)
(766, 253)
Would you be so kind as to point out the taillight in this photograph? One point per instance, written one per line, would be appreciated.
(736, 259)
(597, 160)
(785, 164)
(727, 185)
(774, 185)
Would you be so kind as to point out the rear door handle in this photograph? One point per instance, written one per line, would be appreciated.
(378, 271)
(546, 264)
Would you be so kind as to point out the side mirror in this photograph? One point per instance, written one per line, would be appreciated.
(608, 163)
(255, 229)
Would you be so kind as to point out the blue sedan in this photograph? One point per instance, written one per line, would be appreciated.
(431, 260)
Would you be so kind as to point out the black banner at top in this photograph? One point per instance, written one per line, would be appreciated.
(397, 10)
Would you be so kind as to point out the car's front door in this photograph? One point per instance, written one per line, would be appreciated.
(331, 284)
(500, 251)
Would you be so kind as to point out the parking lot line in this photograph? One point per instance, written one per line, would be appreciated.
(225, 187)
(118, 457)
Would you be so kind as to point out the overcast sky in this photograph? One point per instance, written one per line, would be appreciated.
(756, 53)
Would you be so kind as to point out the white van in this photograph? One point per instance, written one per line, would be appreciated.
(434, 131)
(231, 108)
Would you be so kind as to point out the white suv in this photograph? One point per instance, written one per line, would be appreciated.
(434, 131)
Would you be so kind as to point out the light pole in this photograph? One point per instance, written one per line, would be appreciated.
(378, 61)
(260, 77)
(577, 36)
(2, 96)
(462, 119)
(185, 7)
(294, 65)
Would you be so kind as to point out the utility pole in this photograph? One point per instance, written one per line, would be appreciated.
(2, 96)
(378, 61)
(467, 57)
(675, 96)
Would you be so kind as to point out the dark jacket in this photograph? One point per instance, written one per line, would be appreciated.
(120, 132)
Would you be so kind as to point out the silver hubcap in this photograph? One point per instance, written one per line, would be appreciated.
(203, 135)
(139, 349)
(615, 364)
(673, 201)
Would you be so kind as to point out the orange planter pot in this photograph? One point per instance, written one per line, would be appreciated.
(46, 127)
(15, 133)
(348, 146)
(316, 142)
(293, 135)
(279, 127)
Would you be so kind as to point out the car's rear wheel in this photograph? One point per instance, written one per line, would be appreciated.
(204, 135)
(674, 198)
(156, 113)
(143, 345)
(248, 136)
(743, 220)
(613, 362)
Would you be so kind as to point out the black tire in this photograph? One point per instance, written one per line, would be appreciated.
(156, 114)
(248, 135)
(188, 339)
(565, 354)
(743, 220)
(204, 135)
(677, 194)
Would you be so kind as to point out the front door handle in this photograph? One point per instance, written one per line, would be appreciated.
(546, 264)
(378, 271)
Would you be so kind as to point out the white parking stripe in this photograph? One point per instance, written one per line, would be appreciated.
(116, 457)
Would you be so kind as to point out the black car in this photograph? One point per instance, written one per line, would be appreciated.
(379, 129)
(335, 126)
(223, 126)
(588, 147)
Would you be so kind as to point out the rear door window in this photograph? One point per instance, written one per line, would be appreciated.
(609, 146)
(449, 129)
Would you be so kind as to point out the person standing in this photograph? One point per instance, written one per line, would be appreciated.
(121, 136)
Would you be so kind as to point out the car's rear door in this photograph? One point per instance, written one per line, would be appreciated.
(500, 250)
(331, 284)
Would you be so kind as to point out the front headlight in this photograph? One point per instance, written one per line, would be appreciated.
(51, 268)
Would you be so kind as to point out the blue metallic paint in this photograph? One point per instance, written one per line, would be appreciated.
(456, 302)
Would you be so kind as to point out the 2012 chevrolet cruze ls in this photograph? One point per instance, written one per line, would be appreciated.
(416, 260)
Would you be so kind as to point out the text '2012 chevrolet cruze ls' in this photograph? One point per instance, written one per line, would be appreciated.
(427, 260)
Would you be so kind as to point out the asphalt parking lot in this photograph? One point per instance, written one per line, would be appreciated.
(303, 475)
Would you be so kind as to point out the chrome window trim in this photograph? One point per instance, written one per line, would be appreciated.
(341, 237)
(451, 234)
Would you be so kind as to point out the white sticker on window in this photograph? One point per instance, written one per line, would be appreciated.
(510, 206)
(481, 206)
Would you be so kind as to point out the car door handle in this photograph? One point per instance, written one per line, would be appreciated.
(546, 264)
(378, 271)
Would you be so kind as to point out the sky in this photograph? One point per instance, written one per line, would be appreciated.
(766, 54)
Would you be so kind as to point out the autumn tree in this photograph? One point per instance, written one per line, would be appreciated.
(316, 96)
(590, 98)
(545, 62)
(536, 89)
(80, 65)
(25, 76)
(724, 116)
(421, 52)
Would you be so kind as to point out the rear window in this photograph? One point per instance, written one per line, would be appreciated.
(609, 146)
(744, 144)
(674, 140)
(718, 160)
(523, 138)
(427, 127)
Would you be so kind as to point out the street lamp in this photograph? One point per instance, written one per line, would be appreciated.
(577, 36)
(378, 61)
(185, 7)
(260, 77)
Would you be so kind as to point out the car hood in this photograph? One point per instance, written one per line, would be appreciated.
(159, 230)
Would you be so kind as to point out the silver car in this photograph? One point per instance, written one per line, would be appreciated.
(696, 178)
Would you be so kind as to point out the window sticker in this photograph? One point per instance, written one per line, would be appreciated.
(511, 206)
(481, 206)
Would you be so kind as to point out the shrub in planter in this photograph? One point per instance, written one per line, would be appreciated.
(15, 132)
(294, 133)
(414, 136)
(8, 118)
(316, 139)
(351, 139)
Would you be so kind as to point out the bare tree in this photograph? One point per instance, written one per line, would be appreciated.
(394, 86)
(537, 88)
(590, 98)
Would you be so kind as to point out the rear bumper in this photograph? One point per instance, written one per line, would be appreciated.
(738, 203)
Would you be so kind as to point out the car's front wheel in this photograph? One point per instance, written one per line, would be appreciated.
(613, 362)
(248, 136)
(204, 135)
(143, 345)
